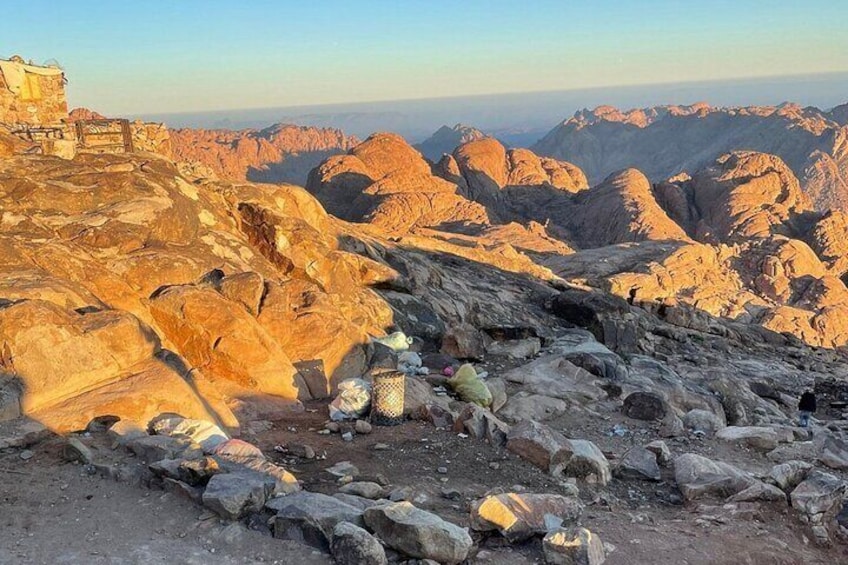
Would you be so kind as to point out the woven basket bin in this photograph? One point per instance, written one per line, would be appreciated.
(387, 391)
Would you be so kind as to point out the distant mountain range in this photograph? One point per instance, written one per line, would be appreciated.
(663, 141)
(518, 119)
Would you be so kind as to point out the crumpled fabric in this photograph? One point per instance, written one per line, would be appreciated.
(397, 341)
(15, 74)
(469, 387)
(352, 401)
(204, 433)
(409, 363)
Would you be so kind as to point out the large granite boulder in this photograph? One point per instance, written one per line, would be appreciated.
(418, 533)
(518, 516)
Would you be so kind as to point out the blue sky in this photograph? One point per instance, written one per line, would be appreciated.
(167, 56)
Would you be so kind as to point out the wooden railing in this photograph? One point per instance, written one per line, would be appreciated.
(104, 136)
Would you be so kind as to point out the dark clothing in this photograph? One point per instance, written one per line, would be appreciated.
(808, 402)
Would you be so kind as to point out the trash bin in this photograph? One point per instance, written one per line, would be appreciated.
(387, 389)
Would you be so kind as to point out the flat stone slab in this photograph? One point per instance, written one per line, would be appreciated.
(233, 495)
(310, 517)
(418, 533)
(520, 516)
(700, 477)
(22, 432)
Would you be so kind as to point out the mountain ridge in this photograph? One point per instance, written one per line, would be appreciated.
(663, 141)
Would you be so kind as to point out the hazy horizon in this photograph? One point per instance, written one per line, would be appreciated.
(530, 114)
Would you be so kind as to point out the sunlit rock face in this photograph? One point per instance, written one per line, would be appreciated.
(663, 141)
(279, 153)
(737, 239)
(225, 289)
(127, 287)
(384, 181)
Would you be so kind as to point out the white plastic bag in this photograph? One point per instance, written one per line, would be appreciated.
(352, 401)
(207, 434)
(397, 341)
(409, 362)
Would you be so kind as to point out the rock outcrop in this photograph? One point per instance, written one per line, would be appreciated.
(129, 290)
(384, 181)
(731, 240)
(281, 153)
(663, 141)
(621, 209)
(745, 195)
(514, 182)
(446, 139)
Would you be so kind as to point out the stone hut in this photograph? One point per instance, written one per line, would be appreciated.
(31, 95)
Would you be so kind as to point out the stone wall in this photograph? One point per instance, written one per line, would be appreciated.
(151, 137)
(50, 108)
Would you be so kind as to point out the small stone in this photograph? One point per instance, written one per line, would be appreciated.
(573, 546)
(661, 451)
(362, 427)
(451, 494)
(638, 463)
(757, 437)
(206, 515)
(494, 465)
(644, 405)
(347, 436)
(671, 426)
(520, 516)
(418, 533)
(301, 450)
(789, 475)
(759, 492)
(700, 477)
(197, 472)
(442, 470)
(26, 455)
(570, 489)
(75, 450)
(156, 448)
(353, 545)
(401, 493)
(365, 489)
(232, 495)
(819, 493)
(343, 469)
(834, 453)
(380, 447)
(552, 452)
(702, 421)
(334, 427)
(310, 517)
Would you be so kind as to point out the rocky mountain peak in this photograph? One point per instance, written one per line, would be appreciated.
(278, 153)
(665, 141)
(84, 114)
(747, 194)
(446, 139)
(839, 114)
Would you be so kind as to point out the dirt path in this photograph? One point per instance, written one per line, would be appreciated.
(57, 513)
(646, 522)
